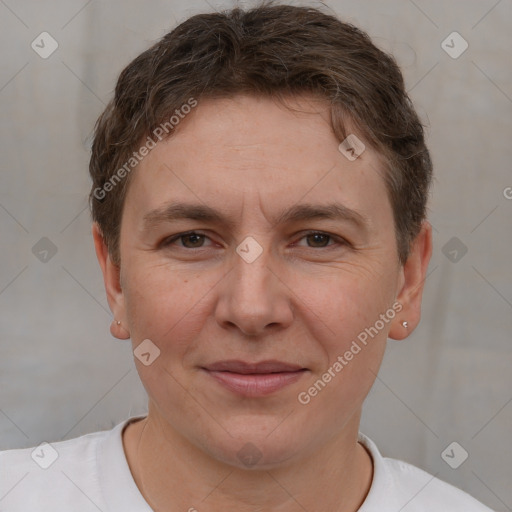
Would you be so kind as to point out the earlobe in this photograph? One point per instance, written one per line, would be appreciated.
(111, 280)
(411, 284)
(118, 331)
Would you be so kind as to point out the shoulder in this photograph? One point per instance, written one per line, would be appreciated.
(408, 488)
(51, 475)
(429, 491)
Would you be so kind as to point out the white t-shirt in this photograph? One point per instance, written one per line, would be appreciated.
(91, 473)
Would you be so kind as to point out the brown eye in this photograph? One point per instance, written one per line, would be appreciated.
(318, 239)
(195, 239)
(190, 240)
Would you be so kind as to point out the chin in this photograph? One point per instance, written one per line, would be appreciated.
(255, 446)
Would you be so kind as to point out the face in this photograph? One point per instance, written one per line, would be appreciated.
(265, 277)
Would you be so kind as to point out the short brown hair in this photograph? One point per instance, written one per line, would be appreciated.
(271, 51)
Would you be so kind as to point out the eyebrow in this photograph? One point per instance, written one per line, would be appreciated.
(188, 211)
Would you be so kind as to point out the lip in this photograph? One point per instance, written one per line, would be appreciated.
(254, 379)
(242, 367)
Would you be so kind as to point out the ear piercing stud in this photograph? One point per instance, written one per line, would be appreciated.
(405, 324)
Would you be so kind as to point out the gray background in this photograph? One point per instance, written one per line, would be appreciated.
(62, 374)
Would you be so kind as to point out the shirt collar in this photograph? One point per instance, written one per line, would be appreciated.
(120, 492)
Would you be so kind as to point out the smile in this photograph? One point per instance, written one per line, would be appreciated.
(254, 379)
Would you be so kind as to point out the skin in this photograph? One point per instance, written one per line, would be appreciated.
(303, 301)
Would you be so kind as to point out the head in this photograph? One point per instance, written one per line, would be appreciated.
(238, 117)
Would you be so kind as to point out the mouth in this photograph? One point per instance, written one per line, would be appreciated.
(254, 379)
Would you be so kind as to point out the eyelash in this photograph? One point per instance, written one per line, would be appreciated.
(340, 241)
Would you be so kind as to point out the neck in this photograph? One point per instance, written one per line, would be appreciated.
(174, 475)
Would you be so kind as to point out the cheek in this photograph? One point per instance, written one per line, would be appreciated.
(343, 315)
(165, 308)
(338, 387)
(162, 304)
(346, 300)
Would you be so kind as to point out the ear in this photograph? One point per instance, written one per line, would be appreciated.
(111, 279)
(411, 281)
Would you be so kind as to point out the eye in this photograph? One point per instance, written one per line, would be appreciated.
(320, 240)
(190, 240)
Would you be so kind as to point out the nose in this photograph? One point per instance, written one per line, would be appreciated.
(254, 298)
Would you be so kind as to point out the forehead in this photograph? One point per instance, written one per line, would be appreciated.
(247, 150)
